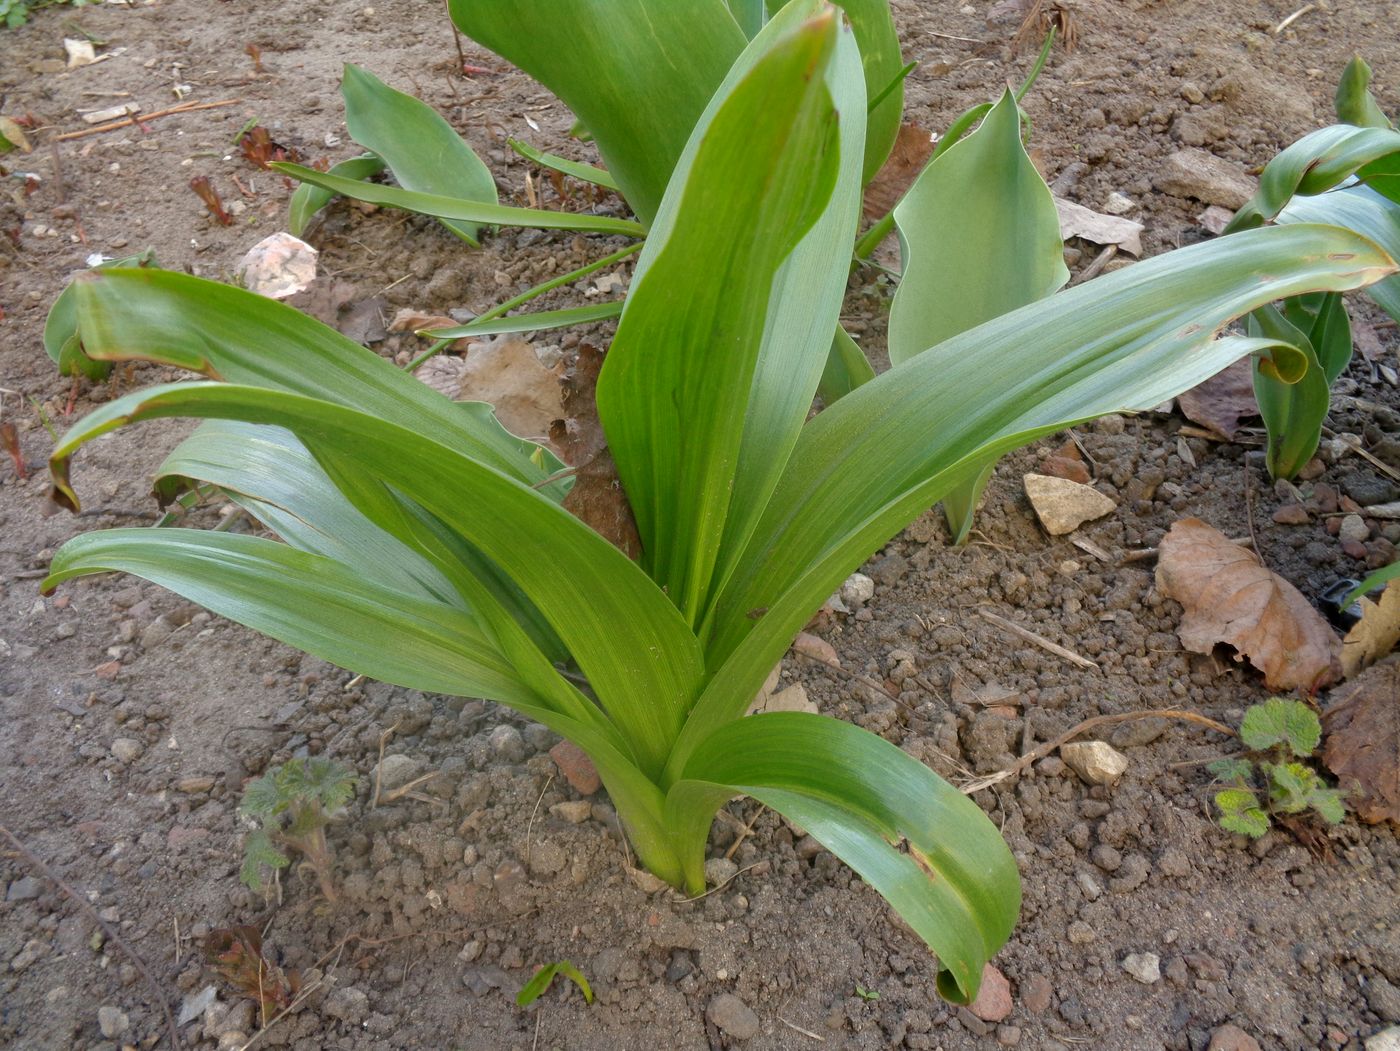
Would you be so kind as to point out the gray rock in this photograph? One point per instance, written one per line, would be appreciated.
(857, 590)
(507, 743)
(1385, 1040)
(395, 771)
(196, 1004)
(1205, 177)
(1097, 762)
(733, 1017)
(1353, 528)
(791, 699)
(26, 888)
(127, 749)
(1144, 966)
(1367, 489)
(1062, 505)
(720, 870)
(112, 1022)
(348, 1004)
(574, 811)
(157, 631)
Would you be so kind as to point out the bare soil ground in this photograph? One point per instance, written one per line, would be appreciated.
(451, 899)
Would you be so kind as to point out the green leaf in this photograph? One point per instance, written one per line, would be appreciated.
(537, 322)
(1231, 769)
(1361, 209)
(1355, 103)
(631, 644)
(234, 335)
(471, 212)
(673, 391)
(307, 200)
(979, 235)
(927, 848)
(329, 784)
(883, 454)
(263, 797)
(750, 14)
(1293, 412)
(1281, 722)
(1381, 576)
(846, 368)
(1329, 805)
(583, 172)
(637, 73)
(1290, 785)
(544, 977)
(326, 608)
(1314, 164)
(1240, 812)
(61, 326)
(422, 150)
(258, 850)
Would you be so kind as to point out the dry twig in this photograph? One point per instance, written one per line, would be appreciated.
(1039, 640)
(126, 122)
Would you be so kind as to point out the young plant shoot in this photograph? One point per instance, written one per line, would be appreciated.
(422, 544)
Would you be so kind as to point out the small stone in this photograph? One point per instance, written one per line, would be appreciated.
(1292, 514)
(1354, 549)
(1312, 470)
(1385, 1040)
(817, 647)
(1036, 993)
(1009, 1035)
(1062, 505)
(1192, 94)
(26, 888)
(1354, 529)
(1146, 967)
(1215, 218)
(195, 1005)
(1097, 762)
(733, 1017)
(1195, 173)
(577, 768)
(719, 871)
(857, 590)
(111, 1021)
(547, 859)
(157, 631)
(1080, 933)
(194, 786)
(1233, 1038)
(233, 1040)
(348, 1004)
(1106, 857)
(127, 749)
(1174, 862)
(646, 882)
(792, 699)
(395, 771)
(574, 811)
(507, 743)
(1118, 204)
(993, 1001)
(65, 631)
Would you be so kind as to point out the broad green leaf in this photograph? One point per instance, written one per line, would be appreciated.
(750, 14)
(1232, 768)
(846, 368)
(1329, 805)
(1323, 317)
(269, 472)
(1240, 812)
(1317, 162)
(1381, 576)
(459, 208)
(307, 200)
(327, 608)
(979, 235)
(883, 454)
(672, 394)
(1361, 209)
(583, 172)
(1290, 785)
(422, 150)
(61, 326)
(544, 978)
(873, 24)
(637, 73)
(631, 644)
(927, 848)
(1293, 413)
(1355, 103)
(234, 335)
(537, 322)
(1281, 722)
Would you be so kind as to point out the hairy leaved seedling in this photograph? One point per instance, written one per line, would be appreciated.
(1278, 780)
(418, 542)
(292, 805)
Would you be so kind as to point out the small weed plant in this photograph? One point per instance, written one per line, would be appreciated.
(16, 12)
(292, 805)
(1282, 736)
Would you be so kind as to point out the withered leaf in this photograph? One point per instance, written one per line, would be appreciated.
(1229, 597)
(1363, 741)
(508, 374)
(1221, 402)
(911, 152)
(596, 498)
(1375, 634)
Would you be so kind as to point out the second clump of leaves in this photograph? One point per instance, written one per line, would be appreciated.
(292, 805)
(1283, 734)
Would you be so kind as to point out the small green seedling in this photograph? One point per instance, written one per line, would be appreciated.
(16, 12)
(867, 994)
(544, 978)
(292, 806)
(1279, 782)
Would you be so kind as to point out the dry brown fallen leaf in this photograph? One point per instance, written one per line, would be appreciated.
(1222, 401)
(1363, 741)
(1100, 229)
(911, 152)
(1375, 634)
(1228, 597)
(596, 498)
(507, 373)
